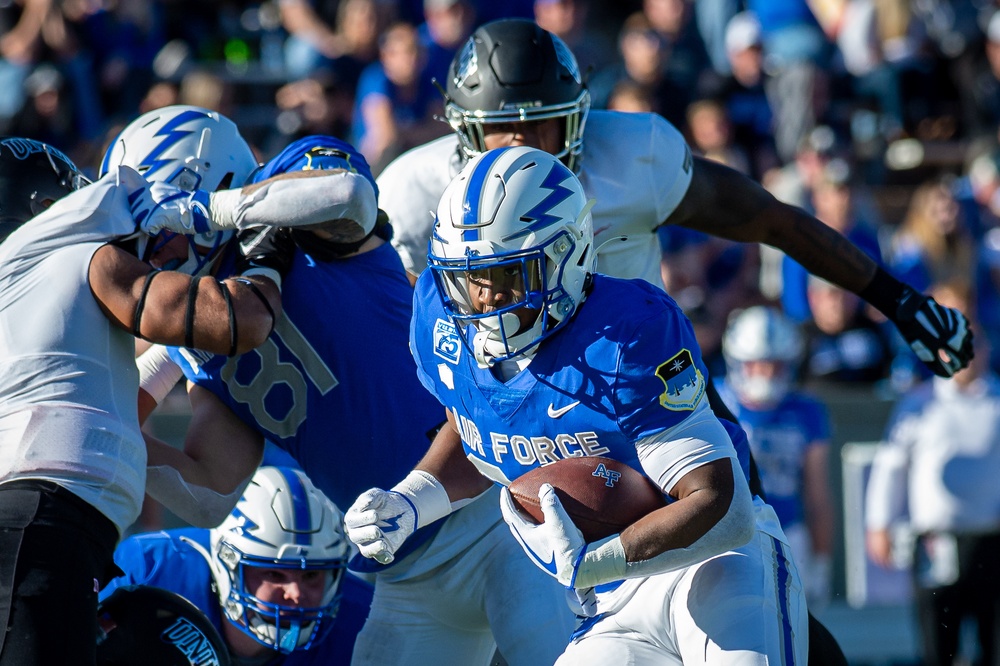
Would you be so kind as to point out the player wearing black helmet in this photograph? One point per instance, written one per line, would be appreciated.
(142, 624)
(515, 84)
(32, 176)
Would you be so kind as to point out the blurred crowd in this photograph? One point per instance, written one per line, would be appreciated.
(880, 116)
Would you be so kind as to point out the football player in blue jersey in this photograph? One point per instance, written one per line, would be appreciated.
(537, 358)
(335, 386)
(271, 578)
(789, 433)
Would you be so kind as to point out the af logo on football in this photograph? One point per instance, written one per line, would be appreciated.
(683, 380)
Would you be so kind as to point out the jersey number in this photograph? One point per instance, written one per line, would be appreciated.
(273, 371)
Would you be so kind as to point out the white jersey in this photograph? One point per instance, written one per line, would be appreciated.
(68, 379)
(636, 165)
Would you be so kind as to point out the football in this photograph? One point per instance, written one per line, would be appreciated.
(601, 495)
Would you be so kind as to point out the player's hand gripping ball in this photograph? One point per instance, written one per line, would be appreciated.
(601, 495)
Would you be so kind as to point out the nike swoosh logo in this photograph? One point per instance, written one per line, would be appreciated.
(392, 524)
(556, 413)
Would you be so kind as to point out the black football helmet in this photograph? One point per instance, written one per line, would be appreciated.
(511, 70)
(142, 624)
(32, 175)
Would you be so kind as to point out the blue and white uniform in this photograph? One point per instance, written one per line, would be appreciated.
(780, 437)
(348, 320)
(600, 387)
(167, 559)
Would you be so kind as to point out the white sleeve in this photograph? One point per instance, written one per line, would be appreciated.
(673, 166)
(298, 202)
(670, 454)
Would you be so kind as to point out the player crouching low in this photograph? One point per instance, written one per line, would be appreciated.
(512, 326)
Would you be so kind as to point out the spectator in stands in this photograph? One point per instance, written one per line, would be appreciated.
(742, 91)
(983, 115)
(932, 243)
(709, 278)
(844, 346)
(630, 97)
(448, 23)
(642, 64)
(796, 55)
(789, 433)
(938, 470)
(568, 20)
(20, 47)
(316, 33)
(395, 103)
(686, 60)
(710, 134)
(712, 18)
(833, 202)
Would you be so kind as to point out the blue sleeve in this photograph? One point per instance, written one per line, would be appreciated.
(661, 376)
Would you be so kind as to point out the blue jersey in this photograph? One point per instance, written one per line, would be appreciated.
(594, 388)
(779, 438)
(335, 385)
(167, 560)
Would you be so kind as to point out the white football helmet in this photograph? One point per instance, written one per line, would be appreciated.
(191, 148)
(761, 333)
(522, 212)
(281, 521)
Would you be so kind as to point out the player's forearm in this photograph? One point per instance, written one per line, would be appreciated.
(636, 552)
(723, 202)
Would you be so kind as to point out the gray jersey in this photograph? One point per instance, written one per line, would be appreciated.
(68, 379)
(636, 165)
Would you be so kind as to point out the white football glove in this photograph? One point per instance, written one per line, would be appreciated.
(378, 523)
(160, 206)
(556, 546)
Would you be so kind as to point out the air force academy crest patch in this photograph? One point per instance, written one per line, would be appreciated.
(447, 344)
(684, 381)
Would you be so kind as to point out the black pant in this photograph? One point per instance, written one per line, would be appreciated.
(54, 550)
(975, 594)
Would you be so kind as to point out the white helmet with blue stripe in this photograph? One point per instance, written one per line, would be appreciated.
(191, 148)
(515, 219)
(282, 521)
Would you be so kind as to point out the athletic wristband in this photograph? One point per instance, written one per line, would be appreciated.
(427, 494)
(269, 273)
(884, 292)
(158, 374)
(600, 562)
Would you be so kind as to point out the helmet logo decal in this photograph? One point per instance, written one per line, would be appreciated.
(685, 385)
(170, 135)
(191, 642)
(541, 212)
(566, 58)
(244, 526)
(468, 63)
